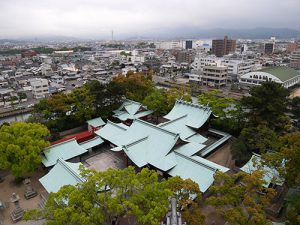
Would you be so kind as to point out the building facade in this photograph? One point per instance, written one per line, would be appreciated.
(285, 76)
(40, 87)
(214, 76)
(295, 60)
(223, 47)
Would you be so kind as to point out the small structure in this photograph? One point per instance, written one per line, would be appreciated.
(18, 212)
(173, 217)
(63, 173)
(131, 110)
(270, 175)
(95, 124)
(29, 191)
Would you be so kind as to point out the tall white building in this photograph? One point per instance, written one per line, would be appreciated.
(40, 87)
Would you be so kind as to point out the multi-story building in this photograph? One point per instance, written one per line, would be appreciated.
(186, 56)
(291, 47)
(189, 44)
(236, 68)
(223, 47)
(295, 60)
(269, 48)
(203, 60)
(40, 87)
(214, 76)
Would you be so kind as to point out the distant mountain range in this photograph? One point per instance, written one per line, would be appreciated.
(178, 33)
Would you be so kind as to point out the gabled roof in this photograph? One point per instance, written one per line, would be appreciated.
(197, 169)
(131, 110)
(178, 125)
(196, 115)
(143, 142)
(63, 173)
(270, 175)
(91, 143)
(64, 150)
(96, 122)
(111, 130)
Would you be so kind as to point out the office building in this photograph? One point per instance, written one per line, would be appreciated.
(188, 44)
(223, 47)
(269, 48)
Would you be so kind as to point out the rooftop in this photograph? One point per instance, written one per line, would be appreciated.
(281, 72)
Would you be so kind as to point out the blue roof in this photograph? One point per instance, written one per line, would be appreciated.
(197, 169)
(91, 143)
(131, 110)
(270, 175)
(190, 148)
(96, 122)
(111, 130)
(65, 150)
(196, 114)
(63, 173)
(178, 125)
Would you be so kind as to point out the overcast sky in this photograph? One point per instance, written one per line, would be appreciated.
(96, 18)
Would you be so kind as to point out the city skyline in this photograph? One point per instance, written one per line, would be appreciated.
(129, 18)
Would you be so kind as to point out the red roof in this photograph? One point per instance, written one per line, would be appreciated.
(80, 137)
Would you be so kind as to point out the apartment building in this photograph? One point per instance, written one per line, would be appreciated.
(295, 60)
(214, 76)
(40, 87)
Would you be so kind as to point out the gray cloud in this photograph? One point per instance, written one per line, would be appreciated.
(96, 18)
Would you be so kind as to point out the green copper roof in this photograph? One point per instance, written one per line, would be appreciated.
(96, 122)
(270, 175)
(197, 169)
(197, 115)
(190, 148)
(131, 110)
(281, 72)
(111, 130)
(63, 173)
(91, 143)
(65, 150)
(178, 125)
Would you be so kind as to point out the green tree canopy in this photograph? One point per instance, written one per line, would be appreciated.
(217, 103)
(20, 147)
(241, 198)
(134, 86)
(114, 195)
(267, 104)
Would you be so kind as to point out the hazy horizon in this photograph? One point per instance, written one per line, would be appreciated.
(130, 18)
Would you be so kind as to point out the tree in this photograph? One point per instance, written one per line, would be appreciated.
(135, 86)
(21, 145)
(267, 104)
(218, 104)
(260, 139)
(294, 106)
(188, 196)
(106, 197)
(287, 159)
(241, 198)
(161, 101)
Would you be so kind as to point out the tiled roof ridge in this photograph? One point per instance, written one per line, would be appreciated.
(156, 127)
(114, 124)
(170, 121)
(61, 143)
(196, 161)
(69, 169)
(193, 104)
(135, 142)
